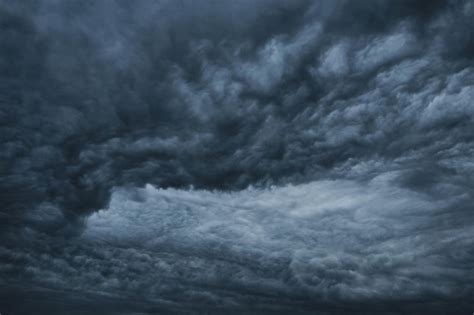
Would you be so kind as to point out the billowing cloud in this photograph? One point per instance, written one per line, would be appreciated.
(308, 155)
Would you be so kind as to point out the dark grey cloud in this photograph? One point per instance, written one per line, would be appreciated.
(366, 108)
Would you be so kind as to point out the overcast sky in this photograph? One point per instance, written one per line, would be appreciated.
(220, 156)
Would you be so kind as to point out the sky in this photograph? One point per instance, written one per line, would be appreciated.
(240, 157)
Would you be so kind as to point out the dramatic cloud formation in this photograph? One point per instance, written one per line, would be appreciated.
(237, 156)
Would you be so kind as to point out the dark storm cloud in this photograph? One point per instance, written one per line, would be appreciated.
(220, 95)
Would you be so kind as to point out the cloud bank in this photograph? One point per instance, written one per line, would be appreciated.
(304, 247)
(250, 156)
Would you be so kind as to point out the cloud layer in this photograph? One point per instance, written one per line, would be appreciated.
(309, 155)
(330, 243)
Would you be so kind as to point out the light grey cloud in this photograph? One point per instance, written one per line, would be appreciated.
(329, 240)
(380, 51)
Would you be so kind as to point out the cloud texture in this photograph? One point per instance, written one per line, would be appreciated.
(249, 156)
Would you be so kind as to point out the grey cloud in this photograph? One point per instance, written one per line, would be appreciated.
(314, 243)
(226, 95)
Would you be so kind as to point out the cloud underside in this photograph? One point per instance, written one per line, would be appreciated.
(264, 156)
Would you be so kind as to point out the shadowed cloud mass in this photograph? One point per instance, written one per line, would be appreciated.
(237, 156)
